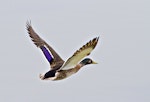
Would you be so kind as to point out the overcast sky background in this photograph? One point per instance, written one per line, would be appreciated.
(123, 52)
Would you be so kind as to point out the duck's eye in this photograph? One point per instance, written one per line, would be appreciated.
(90, 61)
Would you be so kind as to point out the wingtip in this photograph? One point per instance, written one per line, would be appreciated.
(28, 23)
(96, 39)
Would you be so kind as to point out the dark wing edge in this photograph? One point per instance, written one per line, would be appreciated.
(92, 43)
(53, 59)
(84, 51)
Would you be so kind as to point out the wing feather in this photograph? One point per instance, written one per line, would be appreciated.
(84, 51)
(53, 58)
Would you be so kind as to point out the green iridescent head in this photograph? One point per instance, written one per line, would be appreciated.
(87, 61)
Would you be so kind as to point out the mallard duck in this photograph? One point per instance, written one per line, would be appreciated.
(60, 69)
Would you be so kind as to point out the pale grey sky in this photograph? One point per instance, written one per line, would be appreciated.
(122, 74)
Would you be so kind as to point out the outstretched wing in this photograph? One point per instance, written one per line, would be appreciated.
(53, 58)
(84, 51)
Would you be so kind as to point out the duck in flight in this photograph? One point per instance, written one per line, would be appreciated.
(60, 69)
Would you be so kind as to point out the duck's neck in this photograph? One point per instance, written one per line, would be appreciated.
(79, 66)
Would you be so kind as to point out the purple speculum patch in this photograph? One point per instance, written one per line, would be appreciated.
(47, 53)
